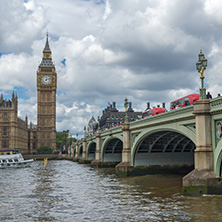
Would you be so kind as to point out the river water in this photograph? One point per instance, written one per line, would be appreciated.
(68, 191)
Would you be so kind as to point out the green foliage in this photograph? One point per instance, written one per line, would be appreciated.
(62, 139)
(44, 150)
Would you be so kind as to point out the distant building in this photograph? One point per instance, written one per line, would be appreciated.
(15, 134)
(68, 133)
(92, 126)
(111, 116)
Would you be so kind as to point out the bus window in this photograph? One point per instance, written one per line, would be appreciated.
(184, 101)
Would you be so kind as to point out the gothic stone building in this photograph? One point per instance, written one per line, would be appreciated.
(113, 117)
(15, 133)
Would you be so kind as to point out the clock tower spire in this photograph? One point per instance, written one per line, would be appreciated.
(46, 89)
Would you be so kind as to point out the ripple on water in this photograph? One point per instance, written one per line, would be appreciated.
(67, 191)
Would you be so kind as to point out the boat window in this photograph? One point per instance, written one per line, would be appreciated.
(10, 160)
(16, 160)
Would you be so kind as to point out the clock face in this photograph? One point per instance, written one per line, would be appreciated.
(46, 80)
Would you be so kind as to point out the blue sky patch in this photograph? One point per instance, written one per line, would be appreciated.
(64, 62)
(3, 53)
(21, 92)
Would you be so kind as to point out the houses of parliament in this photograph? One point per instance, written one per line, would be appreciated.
(18, 134)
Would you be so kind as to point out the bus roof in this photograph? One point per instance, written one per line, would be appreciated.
(194, 94)
(154, 109)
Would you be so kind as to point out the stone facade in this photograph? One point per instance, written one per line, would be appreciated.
(15, 132)
(112, 117)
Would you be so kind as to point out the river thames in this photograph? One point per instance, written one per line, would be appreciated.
(68, 191)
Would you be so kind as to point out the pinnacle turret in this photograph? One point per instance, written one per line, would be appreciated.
(47, 55)
(47, 48)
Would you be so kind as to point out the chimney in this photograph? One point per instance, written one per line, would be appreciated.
(163, 105)
(26, 120)
(130, 107)
(148, 105)
(114, 105)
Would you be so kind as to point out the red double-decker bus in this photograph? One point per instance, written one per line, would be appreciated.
(153, 112)
(184, 101)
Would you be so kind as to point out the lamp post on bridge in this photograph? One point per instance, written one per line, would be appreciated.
(201, 66)
(126, 119)
(98, 129)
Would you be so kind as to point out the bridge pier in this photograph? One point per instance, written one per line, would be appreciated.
(84, 160)
(124, 168)
(76, 157)
(202, 180)
(97, 161)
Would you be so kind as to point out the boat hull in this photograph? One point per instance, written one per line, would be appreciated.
(20, 164)
(14, 161)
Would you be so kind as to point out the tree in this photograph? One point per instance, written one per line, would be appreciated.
(62, 140)
(44, 150)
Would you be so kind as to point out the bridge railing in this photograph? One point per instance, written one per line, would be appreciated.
(216, 105)
(170, 116)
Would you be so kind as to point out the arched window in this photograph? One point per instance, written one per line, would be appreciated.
(5, 117)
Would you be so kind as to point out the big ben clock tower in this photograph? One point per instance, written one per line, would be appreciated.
(46, 87)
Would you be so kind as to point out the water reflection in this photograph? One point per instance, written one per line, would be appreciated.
(68, 191)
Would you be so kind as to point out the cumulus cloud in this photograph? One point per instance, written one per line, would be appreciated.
(107, 50)
(21, 23)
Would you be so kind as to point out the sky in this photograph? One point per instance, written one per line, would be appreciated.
(107, 50)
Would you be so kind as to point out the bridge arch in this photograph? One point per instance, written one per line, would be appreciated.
(112, 149)
(164, 146)
(91, 150)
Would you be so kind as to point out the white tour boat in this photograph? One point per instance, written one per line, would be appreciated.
(14, 161)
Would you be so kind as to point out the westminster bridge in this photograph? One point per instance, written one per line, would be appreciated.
(185, 138)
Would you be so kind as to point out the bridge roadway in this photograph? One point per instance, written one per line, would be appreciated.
(177, 140)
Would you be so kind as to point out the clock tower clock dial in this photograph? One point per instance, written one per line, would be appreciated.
(46, 87)
(46, 80)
